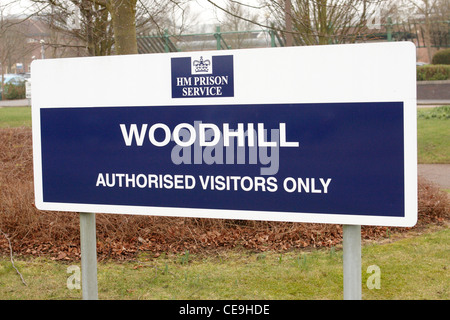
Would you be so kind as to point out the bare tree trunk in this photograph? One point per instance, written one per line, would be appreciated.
(288, 22)
(427, 33)
(123, 14)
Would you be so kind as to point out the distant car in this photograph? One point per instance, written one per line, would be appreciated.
(14, 79)
(421, 64)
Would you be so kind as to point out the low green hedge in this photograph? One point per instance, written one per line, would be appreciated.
(441, 57)
(12, 91)
(433, 72)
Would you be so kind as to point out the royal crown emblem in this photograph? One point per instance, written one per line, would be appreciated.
(202, 65)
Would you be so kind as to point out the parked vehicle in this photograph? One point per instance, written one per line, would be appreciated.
(15, 79)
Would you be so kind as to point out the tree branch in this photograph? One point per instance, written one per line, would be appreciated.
(11, 257)
(245, 19)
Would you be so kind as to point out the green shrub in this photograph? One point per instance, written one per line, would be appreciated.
(441, 57)
(433, 72)
(13, 91)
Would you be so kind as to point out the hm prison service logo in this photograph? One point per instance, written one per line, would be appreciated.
(202, 66)
(202, 76)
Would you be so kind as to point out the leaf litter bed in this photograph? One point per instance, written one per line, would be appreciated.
(121, 237)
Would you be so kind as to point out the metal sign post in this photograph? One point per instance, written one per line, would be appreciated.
(352, 262)
(88, 256)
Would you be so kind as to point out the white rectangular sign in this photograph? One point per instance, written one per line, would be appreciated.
(321, 134)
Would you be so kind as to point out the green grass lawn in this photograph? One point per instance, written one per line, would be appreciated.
(416, 267)
(15, 117)
(433, 135)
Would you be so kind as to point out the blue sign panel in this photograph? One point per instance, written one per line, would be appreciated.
(202, 77)
(325, 158)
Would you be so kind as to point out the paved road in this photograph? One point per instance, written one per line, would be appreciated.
(437, 173)
(14, 103)
(428, 90)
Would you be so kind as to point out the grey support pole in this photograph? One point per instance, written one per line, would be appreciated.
(352, 262)
(88, 256)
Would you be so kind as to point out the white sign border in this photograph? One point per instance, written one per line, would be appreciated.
(50, 91)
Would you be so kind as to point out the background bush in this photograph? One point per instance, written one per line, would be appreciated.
(433, 72)
(441, 57)
(13, 91)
